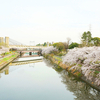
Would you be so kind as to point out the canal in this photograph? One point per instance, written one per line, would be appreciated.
(40, 80)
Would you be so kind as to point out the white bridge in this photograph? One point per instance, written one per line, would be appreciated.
(26, 46)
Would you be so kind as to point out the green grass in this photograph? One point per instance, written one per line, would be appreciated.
(79, 65)
(57, 58)
(96, 72)
(97, 62)
(6, 59)
(79, 74)
(6, 53)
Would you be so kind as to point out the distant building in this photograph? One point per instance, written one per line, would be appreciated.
(47, 44)
(1, 40)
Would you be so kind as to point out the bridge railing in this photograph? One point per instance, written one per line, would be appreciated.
(25, 46)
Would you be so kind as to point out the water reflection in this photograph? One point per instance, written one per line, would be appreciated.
(81, 90)
(28, 83)
(43, 81)
(4, 70)
(31, 63)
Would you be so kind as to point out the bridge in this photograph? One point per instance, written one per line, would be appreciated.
(10, 43)
(31, 53)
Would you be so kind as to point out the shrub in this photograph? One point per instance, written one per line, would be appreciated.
(60, 46)
(72, 45)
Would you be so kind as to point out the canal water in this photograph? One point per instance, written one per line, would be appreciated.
(42, 81)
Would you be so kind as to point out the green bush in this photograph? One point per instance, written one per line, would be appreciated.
(72, 45)
(60, 46)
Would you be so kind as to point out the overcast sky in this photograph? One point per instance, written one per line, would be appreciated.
(48, 20)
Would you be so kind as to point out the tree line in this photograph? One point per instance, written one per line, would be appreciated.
(86, 40)
(44, 44)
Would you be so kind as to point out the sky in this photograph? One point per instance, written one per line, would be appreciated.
(39, 21)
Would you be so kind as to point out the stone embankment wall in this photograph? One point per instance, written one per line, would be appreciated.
(8, 59)
(76, 73)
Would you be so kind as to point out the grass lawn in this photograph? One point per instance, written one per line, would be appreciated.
(6, 59)
(57, 58)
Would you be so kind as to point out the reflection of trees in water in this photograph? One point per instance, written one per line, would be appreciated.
(47, 62)
(81, 90)
(54, 66)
